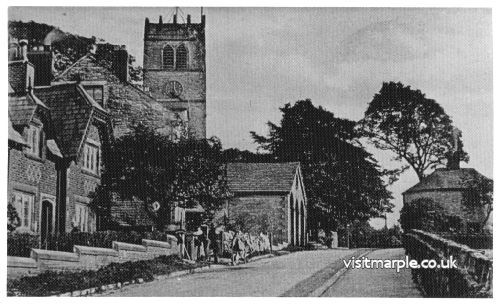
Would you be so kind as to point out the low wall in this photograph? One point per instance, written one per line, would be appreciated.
(472, 278)
(87, 258)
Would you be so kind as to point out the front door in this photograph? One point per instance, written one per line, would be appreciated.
(46, 222)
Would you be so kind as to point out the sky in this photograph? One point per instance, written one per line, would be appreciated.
(258, 59)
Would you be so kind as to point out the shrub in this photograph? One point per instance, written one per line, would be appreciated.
(51, 283)
(20, 244)
(362, 235)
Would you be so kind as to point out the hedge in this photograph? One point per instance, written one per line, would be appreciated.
(21, 244)
(52, 283)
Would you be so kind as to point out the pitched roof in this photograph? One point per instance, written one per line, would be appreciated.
(14, 136)
(261, 177)
(127, 103)
(22, 107)
(71, 111)
(447, 179)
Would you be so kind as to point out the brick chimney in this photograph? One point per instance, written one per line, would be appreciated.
(21, 72)
(41, 57)
(121, 63)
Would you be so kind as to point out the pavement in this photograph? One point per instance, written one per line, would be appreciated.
(375, 282)
(297, 274)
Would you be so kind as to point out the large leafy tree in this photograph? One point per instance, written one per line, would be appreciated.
(344, 183)
(146, 166)
(414, 127)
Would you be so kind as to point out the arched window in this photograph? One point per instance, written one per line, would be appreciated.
(168, 57)
(181, 57)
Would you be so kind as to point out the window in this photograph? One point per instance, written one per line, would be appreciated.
(23, 203)
(181, 57)
(91, 158)
(81, 217)
(33, 140)
(168, 57)
(96, 93)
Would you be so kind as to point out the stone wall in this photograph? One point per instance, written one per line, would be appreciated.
(88, 258)
(272, 207)
(472, 278)
(35, 176)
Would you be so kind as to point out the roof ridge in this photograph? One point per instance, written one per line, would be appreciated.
(57, 77)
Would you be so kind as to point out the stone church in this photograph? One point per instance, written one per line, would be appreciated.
(174, 69)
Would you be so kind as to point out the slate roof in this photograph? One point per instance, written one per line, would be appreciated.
(71, 110)
(261, 177)
(23, 107)
(447, 179)
(14, 136)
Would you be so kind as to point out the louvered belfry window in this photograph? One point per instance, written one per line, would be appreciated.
(181, 57)
(168, 57)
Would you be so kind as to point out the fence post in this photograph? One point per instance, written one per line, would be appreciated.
(270, 242)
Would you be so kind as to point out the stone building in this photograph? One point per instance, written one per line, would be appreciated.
(174, 69)
(447, 187)
(55, 144)
(107, 81)
(269, 196)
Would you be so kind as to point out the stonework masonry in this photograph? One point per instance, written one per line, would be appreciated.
(190, 78)
(272, 208)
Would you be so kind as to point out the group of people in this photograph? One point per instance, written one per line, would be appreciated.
(208, 245)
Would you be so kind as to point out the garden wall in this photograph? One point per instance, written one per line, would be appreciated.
(88, 258)
(472, 278)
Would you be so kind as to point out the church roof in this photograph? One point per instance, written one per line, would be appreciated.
(446, 179)
(261, 177)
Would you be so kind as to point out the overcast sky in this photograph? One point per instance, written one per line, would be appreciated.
(258, 59)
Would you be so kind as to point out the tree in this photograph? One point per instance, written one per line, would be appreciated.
(146, 166)
(426, 214)
(414, 127)
(245, 156)
(13, 220)
(478, 196)
(343, 180)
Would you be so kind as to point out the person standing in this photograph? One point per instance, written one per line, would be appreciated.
(213, 243)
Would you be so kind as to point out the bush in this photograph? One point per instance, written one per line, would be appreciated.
(20, 244)
(362, 235)
(51, 283)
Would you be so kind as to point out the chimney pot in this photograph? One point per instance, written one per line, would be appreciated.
(175, 18)
(188, 19)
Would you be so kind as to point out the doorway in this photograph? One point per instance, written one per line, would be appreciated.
(46, 222)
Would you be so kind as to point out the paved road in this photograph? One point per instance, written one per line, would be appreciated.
(296, 274)
(267, 277)
(376, 282)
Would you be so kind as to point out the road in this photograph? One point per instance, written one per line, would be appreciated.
(295, 274)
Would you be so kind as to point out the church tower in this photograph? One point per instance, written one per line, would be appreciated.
(174, 69)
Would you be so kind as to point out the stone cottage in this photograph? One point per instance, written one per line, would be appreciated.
(269, 197)
(56, 141)
(447, 187)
